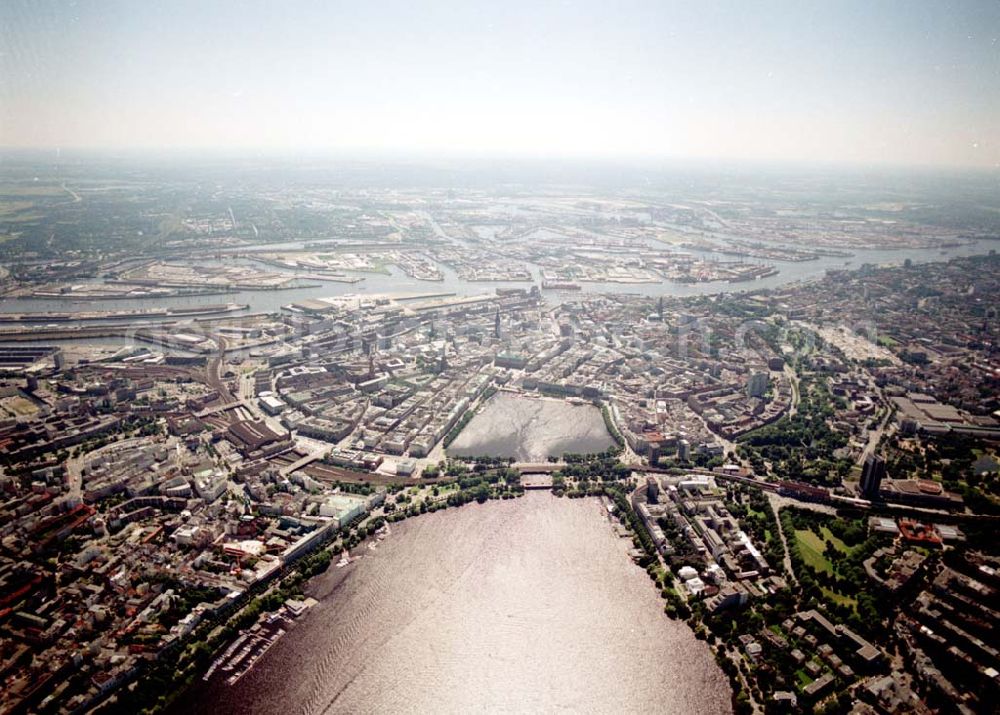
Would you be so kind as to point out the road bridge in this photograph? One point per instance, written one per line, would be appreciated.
(305, 461)
(225, 407)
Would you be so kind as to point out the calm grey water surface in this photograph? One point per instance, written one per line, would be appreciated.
(528, 605)
(531, 429)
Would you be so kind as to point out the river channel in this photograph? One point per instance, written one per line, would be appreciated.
(397, 282)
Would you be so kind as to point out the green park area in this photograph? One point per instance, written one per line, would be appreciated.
(813, 543)
(813, 549)
(827, 556)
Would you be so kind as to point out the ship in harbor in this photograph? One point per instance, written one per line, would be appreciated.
(560, 285)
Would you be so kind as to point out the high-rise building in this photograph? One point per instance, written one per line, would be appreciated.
(872, 475)
(654, 453)
(652, 490)
(496, 325)
(443, 358)
(757, 384)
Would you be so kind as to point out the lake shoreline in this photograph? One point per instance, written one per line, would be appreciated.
(482, 579)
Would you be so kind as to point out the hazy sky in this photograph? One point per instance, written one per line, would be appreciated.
(911, 82)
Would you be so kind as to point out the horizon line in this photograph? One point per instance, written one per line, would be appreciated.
(363, 154)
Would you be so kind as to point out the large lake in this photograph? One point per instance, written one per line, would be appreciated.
(531, 429)
(528, 605)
